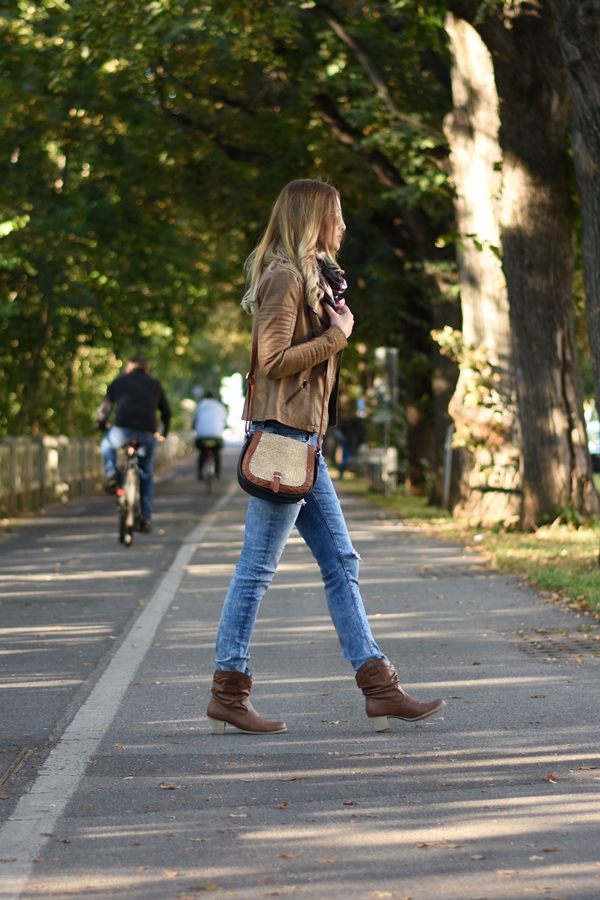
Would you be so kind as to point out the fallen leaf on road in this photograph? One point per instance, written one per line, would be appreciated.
(287, 855)
(268, 880)
(168, 787)
(170, 873)
(477, 856)
(549, 849)
(200, 840)
(438, 845)
(326, 862)
(476, 663)
(551, 777)
(9, 859)
(238, 816)
(380, 894)
(137, 844)
(209, 886)
(337, 722)
(587, 768)
(536, 857)
(508, 872)
(350, 803)
(284, 805)
(63, 841)
(509, 727)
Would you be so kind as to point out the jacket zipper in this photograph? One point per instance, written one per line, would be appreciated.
(302, 387)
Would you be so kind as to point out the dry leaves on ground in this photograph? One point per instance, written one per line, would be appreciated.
(168, 787)
(552, 776)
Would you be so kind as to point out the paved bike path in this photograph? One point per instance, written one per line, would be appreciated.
(457, 806)
(68, 591)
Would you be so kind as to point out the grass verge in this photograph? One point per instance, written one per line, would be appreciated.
(559, 559)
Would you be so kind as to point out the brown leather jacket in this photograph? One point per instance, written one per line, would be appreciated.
(295, 343)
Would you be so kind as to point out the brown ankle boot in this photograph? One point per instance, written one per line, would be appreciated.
(378, 681)
(230, 704)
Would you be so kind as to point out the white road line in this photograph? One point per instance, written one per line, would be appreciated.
(22, 837)
(76, 576)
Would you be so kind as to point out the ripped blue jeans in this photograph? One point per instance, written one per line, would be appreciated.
(321, 523)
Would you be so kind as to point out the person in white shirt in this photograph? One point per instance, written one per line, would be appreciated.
(210, 420)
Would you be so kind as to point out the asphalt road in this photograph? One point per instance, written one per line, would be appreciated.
(107, 664)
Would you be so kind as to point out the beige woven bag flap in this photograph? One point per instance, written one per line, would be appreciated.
(279, 462)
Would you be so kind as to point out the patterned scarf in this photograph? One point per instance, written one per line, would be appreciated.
(331, 280)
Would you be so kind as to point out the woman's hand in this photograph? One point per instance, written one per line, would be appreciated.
(341, 316)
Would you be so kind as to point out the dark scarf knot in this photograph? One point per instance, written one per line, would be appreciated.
(331, 280)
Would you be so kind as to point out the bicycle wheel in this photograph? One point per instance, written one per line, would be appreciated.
(209, 473)
(122, 518)
(132, 503)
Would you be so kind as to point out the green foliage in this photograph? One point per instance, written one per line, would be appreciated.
(143, 144)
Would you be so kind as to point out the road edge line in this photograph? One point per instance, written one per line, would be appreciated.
(28, 828)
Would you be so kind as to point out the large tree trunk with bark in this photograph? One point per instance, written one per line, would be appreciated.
(485, 417)
(537, 255)
(579, 30)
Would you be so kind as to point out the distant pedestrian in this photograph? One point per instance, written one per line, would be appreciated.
(210, 420)
(295, 289)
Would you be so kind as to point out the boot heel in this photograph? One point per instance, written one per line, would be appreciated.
(216, 726)
(380, 723)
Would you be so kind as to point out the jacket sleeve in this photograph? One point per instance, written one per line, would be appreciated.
(165, 413)
(281, 298)
(103, 413)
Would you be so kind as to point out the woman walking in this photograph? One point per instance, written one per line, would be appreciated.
(295, 290)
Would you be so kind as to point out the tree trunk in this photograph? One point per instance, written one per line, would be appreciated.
(537, 254)
(579, 30)
(490, 484)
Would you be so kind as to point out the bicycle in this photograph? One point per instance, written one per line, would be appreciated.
(128, 495)
(209, 472)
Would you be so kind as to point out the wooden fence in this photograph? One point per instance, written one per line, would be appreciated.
(37, 471)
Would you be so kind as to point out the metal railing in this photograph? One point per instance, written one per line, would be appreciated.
(36, 471)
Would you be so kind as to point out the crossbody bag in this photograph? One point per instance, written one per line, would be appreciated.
(272, 466)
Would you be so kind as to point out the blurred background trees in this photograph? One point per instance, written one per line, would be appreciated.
(144, 143)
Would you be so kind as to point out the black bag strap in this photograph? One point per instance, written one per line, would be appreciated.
(251, 382)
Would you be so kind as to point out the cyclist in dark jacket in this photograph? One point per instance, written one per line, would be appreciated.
(137, 397)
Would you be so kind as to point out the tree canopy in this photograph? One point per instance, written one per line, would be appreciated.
(143, 145)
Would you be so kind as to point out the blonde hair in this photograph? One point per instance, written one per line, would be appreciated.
(292, 236)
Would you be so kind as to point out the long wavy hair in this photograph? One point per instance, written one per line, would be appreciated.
(297, 223)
